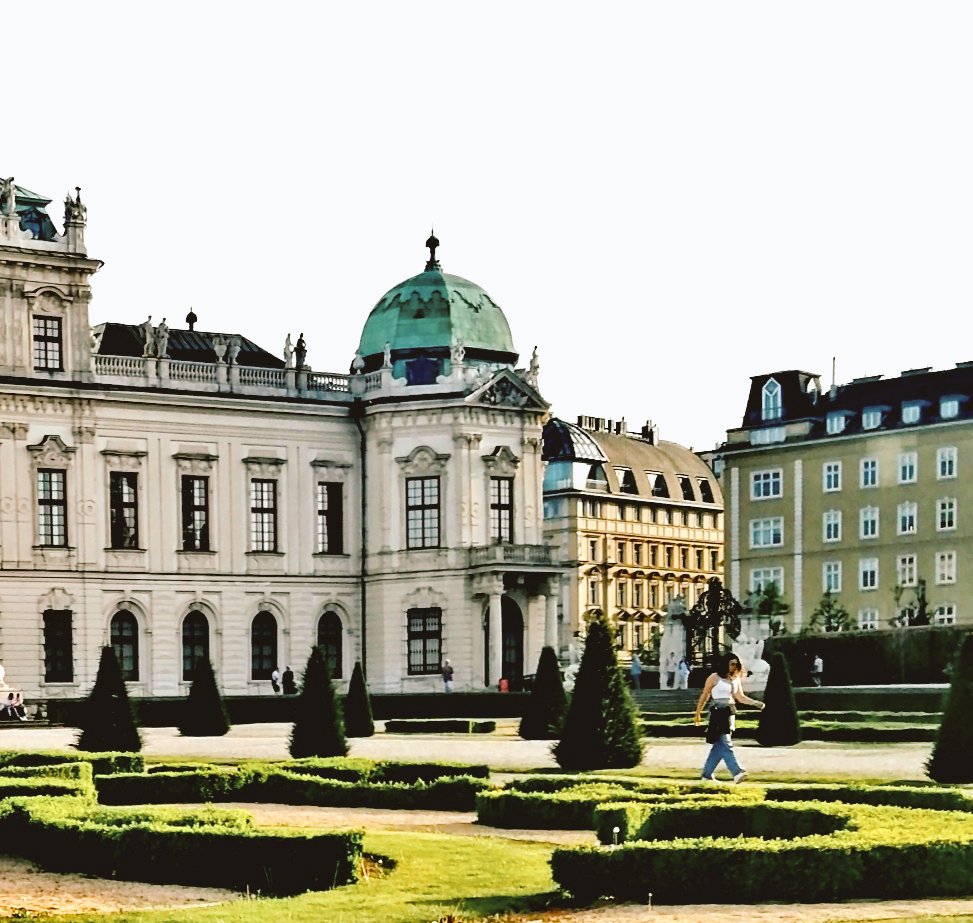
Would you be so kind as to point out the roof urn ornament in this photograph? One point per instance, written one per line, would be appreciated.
(432, 243)
(219, 347)
(357, 364)
(191, 319)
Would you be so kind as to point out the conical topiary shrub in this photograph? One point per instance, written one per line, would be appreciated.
(318, 729)
(601, 730)
(108, 722)
(204, 714)
(950, 759)
(358, 706)
(779, 723)
(544, 714)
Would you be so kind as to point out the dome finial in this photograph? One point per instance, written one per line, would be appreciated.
(432, 243)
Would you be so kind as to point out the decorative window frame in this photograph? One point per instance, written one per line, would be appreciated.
(200, 464)
(130, 603)
(267, 468)
(57, 599)
(52, 452)
(49, 301)
(125, 461)
(423, 462)
(424, 597)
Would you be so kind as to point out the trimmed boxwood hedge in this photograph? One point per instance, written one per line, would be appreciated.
(58, 836)
(101, 763)
(882, 852)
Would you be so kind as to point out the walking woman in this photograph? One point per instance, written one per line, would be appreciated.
(725, 689)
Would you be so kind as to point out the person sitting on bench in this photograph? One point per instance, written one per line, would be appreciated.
(14, 706)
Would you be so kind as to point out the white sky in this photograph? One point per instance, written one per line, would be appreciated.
(665, 198)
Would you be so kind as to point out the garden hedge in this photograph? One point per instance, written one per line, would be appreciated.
(101, 763)
(439, 726)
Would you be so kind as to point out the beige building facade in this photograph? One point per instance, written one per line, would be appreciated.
(861, 490)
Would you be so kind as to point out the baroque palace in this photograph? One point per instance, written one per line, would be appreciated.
(858, 491)
(179, 493)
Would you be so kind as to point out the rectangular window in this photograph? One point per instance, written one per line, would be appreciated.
(713, 560)
(58, 647)
(263, 515)
(835, 423)
(910, 413)
(867, 619)
(907, 518)
(592, 549)
(832, 525)
(949, 408)
(907, 468)
(593, 591)
(422, 512)
(868, 520)
(945, 514)
(52, 525)
(668, 554)
(123, 509)
(831, 476)
(47, 344)
(653, 555)
(653, 595)
(905, 569)
(766, 484)
(762, 577)
(869, 472)
(425, 633)
(945, 615)
(945, 567)
(684, 558)
(871, 418)
(868, 574)
(330, 523)
(766, 533)
(621, 594)
(637, 553)
(620, 552)
(831, 573)
(637, 594)
(946, 463)
(699, 559)
(195, 513)
(502, 511)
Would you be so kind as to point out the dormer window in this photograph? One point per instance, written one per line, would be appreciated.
(871, 418)
(626, 481)
(835, 423)
(685, 485)
(949, 408)
(658, 481)
(910, 413)
(772, 408)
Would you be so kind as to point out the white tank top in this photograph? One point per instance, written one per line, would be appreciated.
(724, 689)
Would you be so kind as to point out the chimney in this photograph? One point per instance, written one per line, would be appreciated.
(650, 433)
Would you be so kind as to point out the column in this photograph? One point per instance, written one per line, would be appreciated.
(550, 620)
(496, 640)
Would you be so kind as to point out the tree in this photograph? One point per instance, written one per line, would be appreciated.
(716, 610)
(358, 706)
(108, 722)
(830, 615)
(318, 729)
(544, 714)
(204, 714)
(768, 601)
(601, 730)
(950, 759)
(779, 723)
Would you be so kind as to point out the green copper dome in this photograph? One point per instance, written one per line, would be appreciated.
(431, 311)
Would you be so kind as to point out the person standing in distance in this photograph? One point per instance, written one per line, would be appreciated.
(275, 680)
(447, 676)
(817, 668)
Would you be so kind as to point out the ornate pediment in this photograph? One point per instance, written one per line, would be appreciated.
(330, 470)
(501, 461)
(261, 466)
(51, 452)
(506, 389)
(423, 460)
(198, 464)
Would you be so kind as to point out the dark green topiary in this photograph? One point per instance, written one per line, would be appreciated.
(318, 729)
(204, 714)
(108, 722)
(358, 706)
(779, 723)
(950, 760)
(544, 714)
(601, 730)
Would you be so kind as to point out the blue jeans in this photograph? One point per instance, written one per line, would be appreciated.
(722, 750)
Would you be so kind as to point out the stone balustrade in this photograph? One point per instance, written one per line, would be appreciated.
(511, 554)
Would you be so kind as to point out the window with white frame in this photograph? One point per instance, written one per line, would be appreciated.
(772, 407)
(52, 527)
(592, 591)
(868, 574)
(835, 423)
(621, 594)
(868, 472)
(945, 514)
(911, 412)
(907, 517)
(48, 345)
(637, 594)
(831, 476)
(831, 577)
(868, 522)
(867, 619)
(766, 484)
(945, 567)
(422, 512)
(767, 533)
(832, 525)
(762, 577)
(908, 465)
(871, 418)
(905, 569)
(592, 549)
(945, 614)
(946, 462)
(948, 408)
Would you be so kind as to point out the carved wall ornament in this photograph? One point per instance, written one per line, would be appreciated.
(118, 460)
(84, 435)
(47, 298)
(330, 470)
(195, 463)
(15, 431)
(51, 452)
(504, 393)
(261, 466)
(501, 461)
(423, 460)
(424, 597)
(56, 598)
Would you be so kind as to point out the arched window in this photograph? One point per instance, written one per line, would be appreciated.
(263, 646)
(329, 640)
(195, 642)
(772, 409)
(125, 641)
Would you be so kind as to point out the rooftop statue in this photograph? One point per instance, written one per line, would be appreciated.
(300, 352)
(457, 351)
(162, 340)
(387, 356)
(148, 337)
(74, 210)
(9, 196)
(288, 352)
(233, 349)
(535, 367)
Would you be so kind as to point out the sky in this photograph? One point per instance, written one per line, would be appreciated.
(664, 198)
